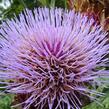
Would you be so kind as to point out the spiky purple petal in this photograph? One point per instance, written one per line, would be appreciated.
(52, 55)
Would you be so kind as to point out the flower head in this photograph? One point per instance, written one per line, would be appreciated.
(52, 57)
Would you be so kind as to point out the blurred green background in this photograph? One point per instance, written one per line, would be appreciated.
(9, 8)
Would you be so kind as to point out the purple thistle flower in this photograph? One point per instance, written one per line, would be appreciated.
(53, 57)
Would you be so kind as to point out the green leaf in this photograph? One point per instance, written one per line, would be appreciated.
(44, 2)
(103, 104)
(52, 3)
(5, 101)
